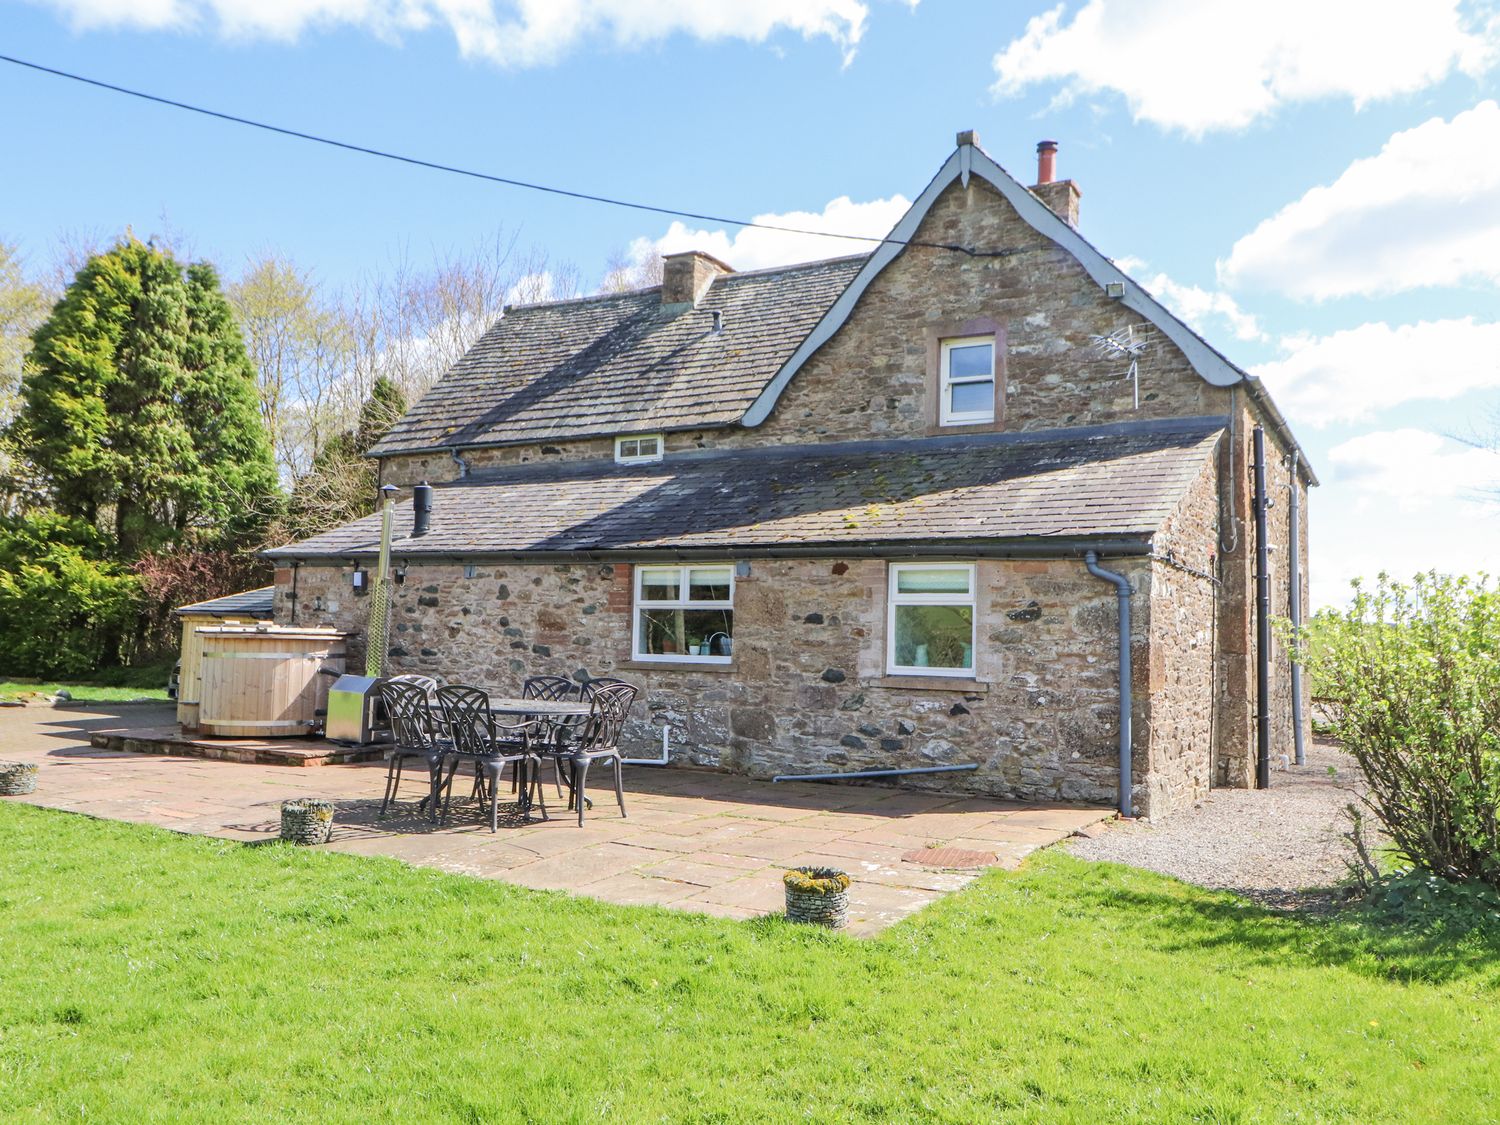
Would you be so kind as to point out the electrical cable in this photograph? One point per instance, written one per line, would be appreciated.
(507, 181)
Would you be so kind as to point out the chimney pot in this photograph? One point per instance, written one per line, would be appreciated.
(1046, 161)
(685, 277)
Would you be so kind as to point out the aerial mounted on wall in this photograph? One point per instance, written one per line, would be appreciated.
(1124, 343)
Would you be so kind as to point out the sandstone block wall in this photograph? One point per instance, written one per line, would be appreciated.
(806, 690)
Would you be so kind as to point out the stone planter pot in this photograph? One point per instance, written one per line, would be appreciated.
(818, 895)
(308, 820)
(17, 778)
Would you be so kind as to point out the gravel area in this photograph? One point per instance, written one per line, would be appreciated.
(1280, 846)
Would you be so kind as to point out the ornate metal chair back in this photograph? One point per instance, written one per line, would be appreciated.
(602, 682)
(551, 688)
(409, 710)
(466, 711)
(611, 704)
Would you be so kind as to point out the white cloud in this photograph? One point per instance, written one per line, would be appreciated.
(1351, 375)
(1403, 501)
(509, 32)
(1424, 212)
(751, 248)
(1202, 65)
(1201, 309)
(1411, 468)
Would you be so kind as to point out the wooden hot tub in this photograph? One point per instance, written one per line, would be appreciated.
(264, 681)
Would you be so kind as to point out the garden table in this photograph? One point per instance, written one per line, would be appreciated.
(554, 712)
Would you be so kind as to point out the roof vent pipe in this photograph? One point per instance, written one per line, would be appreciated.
(1046, 161)
(421, 509)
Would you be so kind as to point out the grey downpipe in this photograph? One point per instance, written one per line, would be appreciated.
(1294, 610)
(1122, 594)
(1262, 618)
(871, 773)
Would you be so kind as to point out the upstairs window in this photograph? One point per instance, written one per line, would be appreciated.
(967, 381)
(684, 613)
(642, 447)
(930, 629)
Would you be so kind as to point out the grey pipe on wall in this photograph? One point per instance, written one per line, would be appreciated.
(1122, 595)
(1294, 609)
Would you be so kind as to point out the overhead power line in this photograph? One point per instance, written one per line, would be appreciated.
(436, 166)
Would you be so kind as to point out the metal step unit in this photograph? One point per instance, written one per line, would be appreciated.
(356, 715)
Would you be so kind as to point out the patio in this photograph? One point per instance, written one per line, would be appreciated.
(694, 841)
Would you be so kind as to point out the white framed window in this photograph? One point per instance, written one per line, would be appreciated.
(930, 619)
(967, 381)
(684, 613)
(641, 447)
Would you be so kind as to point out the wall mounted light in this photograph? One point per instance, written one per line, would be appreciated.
(360, 579)
(399, 574)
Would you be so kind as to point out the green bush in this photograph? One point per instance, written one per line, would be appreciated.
(1412, 673)
(63, 610)
(1430, 903)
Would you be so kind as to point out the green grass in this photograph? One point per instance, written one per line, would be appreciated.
(148, 976)
(112, 685)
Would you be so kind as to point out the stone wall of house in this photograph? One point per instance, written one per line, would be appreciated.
(807, 689)
(1180, 679)
(1235, 724)
(871, 380)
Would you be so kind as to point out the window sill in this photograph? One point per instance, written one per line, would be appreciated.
(933, 683)
(674, 666)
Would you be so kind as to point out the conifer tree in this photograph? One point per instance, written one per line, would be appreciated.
(139, 409)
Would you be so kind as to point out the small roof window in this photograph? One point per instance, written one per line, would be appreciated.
(638, 448)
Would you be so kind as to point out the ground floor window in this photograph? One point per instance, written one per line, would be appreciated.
(930, 628)
(684, 613)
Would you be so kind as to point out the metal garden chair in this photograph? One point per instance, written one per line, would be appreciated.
(600, 740)
(489, 747)
(554, 689)
(409, 709)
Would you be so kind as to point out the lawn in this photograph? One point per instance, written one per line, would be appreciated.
(150, 976)
(116, 685)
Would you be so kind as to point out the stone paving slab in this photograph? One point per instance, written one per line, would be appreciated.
(696, 841)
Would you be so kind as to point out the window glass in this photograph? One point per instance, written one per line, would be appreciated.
(973, 398)
(647, 447)
(971, 360)
(932, 580)
(934, 636)
(659, 584)
(708, 585)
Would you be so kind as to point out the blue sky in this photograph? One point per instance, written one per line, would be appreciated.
(1316, 187)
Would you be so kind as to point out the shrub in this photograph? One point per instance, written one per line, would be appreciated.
(63, 610)
(182, 576)
(1413, 675)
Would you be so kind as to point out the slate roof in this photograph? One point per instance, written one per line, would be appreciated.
(615, 364)
(259, 604)
(1118, 481)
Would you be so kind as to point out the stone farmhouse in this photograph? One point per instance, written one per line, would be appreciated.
(863, 513)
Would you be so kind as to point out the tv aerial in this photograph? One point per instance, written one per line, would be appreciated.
(1123, 344)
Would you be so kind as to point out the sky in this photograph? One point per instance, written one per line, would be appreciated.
(1314, 186)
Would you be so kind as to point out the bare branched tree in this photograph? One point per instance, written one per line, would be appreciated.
(624, 271)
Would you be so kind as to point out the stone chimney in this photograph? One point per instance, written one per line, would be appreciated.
(1060, 195)
(686, 277)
